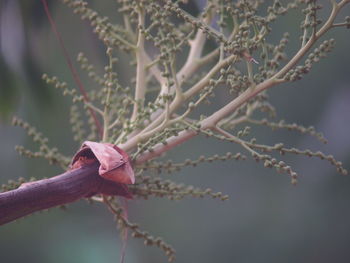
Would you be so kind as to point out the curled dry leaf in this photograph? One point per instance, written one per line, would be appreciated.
(114, 162)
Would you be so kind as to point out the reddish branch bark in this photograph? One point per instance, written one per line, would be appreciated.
(61, 189)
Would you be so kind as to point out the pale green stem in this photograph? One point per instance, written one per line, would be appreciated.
(94, 108)
(106, 111)
(140, 88)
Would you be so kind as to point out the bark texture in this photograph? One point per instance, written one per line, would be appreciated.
(58, 190)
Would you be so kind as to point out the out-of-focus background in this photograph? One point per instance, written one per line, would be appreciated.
(266, 219)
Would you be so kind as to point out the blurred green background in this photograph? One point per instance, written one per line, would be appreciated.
(266, 218)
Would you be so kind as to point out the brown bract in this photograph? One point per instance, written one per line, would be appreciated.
(114, 162)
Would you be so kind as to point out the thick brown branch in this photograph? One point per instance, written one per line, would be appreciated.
(58, 190)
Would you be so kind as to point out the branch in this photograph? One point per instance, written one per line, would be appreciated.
(162, 148)
(208, 123)
(211, 121)
(191, 63)
(58, 190)
(154, 126)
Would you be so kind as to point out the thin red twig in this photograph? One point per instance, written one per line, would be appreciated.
(70, 65)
